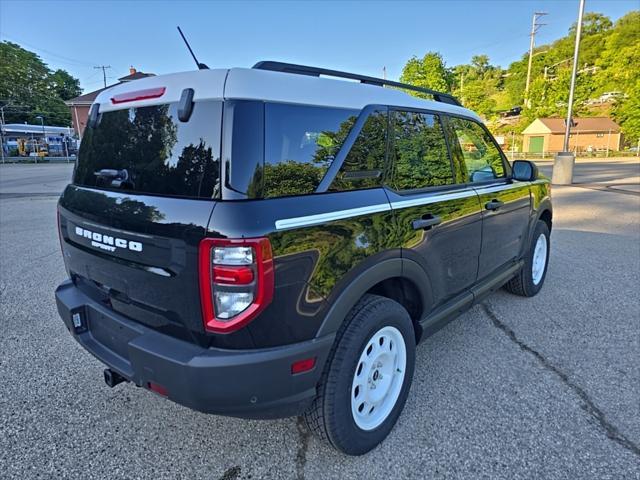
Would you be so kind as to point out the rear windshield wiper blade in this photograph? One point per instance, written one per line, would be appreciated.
(112, 173)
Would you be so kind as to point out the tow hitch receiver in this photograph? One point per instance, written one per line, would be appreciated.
(112, 378)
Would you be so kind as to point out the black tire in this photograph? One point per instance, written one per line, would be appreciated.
(330, 416)
(522, 284)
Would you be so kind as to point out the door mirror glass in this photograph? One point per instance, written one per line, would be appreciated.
(524, 170)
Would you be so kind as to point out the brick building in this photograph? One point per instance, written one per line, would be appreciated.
(587, 134)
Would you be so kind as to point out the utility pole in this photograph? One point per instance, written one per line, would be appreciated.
(2, 131)
(384, 73)
(104, 73)
(2, 140)
(534, 29)
(564, 161)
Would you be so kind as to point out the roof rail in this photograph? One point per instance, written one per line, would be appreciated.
(380, 82)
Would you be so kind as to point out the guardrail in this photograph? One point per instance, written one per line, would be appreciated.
(39, 159)
(551, 155)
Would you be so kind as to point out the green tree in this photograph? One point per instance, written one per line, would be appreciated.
(30, 88)
(609, 59)
(428, 72)
(480, 63)
(627, 113)
(64, 85)
(592, 23)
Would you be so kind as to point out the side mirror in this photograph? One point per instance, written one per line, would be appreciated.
(524, 170)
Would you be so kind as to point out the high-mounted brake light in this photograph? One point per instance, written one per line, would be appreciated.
(236, 281)
(138, 95)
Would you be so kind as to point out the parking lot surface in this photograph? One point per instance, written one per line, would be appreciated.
(547, 387)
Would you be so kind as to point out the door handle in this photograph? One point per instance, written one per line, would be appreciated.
(426, 222)
(493, 205)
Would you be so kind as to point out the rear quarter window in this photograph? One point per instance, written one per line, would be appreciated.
(147, 150)
(300, 144)
(365, 163)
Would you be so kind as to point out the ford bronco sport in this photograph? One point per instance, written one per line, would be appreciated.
(270, 242)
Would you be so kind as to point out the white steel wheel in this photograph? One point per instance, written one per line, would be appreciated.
(539, 261)
(378, 378)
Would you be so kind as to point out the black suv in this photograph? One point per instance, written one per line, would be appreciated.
(269, 242)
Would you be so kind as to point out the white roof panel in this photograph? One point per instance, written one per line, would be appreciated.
(207, 85)
(255, 84)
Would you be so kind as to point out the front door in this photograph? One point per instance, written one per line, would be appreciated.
(505, 203)
(439, 222)
(536, 144)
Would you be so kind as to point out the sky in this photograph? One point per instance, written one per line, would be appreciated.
(356, 36)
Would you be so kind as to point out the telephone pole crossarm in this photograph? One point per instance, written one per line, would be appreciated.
(104, 73)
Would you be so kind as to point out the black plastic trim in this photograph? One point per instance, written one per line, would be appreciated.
(358, 286)
(185, 105)
(380, 82)
(248, 383)
(444, 314)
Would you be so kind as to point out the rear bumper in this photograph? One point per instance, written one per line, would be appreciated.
(243, 383)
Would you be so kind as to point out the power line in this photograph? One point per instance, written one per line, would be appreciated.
(104, 73)
(48, 52)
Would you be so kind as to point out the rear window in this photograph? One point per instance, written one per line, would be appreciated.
(300, 144)
(147, 150)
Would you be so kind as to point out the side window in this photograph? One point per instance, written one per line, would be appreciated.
(364, 165)
(481, 158)
(420, 152)
(300, 144)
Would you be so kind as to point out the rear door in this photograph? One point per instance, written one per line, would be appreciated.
(439, 222)
(505, 203)
(143, 191)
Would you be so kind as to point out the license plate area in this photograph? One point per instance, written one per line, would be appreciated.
(111, 334)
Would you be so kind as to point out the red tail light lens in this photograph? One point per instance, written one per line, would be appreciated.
(232, 275)
(146, 94)
(236, 281)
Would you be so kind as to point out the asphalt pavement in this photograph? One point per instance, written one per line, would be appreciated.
(546, 387)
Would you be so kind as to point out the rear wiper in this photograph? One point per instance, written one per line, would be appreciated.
(111, 173)
(117, 176)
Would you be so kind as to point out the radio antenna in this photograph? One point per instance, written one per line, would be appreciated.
(201, 66)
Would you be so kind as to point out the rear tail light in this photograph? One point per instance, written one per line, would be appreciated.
(236, 281)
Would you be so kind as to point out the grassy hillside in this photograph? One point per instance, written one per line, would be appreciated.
(609, 62)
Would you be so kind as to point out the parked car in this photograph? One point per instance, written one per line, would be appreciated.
(268, 242)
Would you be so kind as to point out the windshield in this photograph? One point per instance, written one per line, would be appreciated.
(147, 150)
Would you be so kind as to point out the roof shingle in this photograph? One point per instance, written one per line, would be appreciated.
(583, 124)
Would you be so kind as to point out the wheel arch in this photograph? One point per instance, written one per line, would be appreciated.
(398, 279)
(544, 212)
(546, 215)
